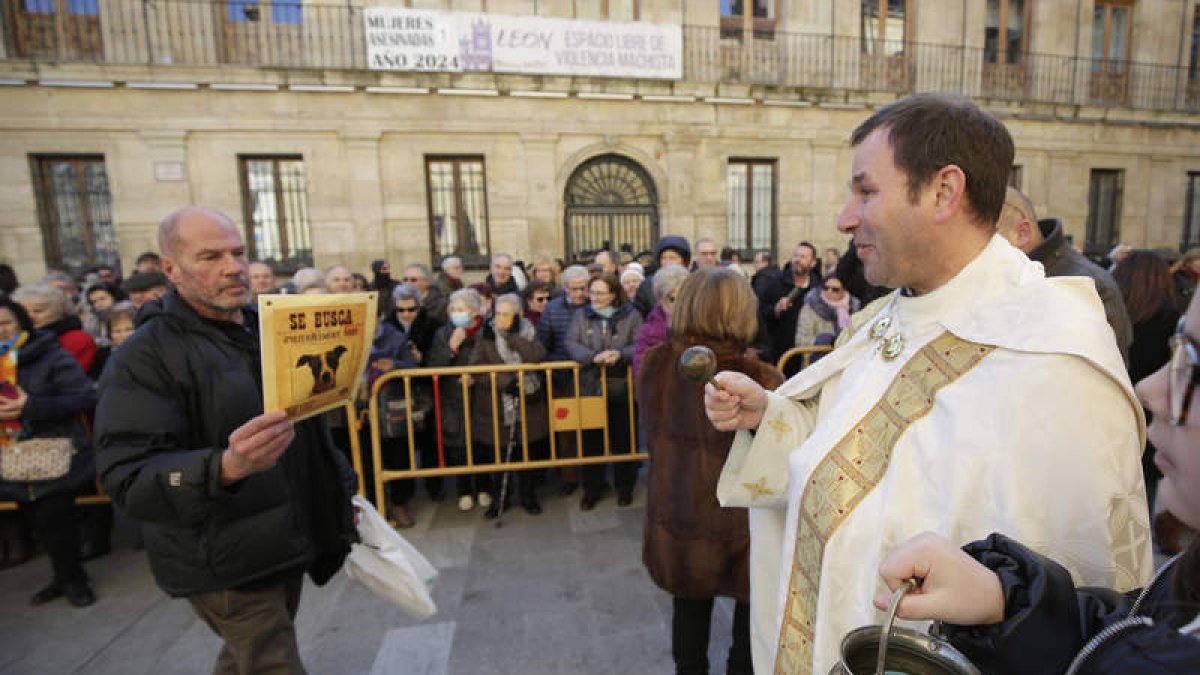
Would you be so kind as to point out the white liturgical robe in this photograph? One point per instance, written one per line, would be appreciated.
(1041, 439)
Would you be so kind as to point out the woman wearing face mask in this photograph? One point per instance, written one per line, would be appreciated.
(1011, 610)
(452, 346)
(603, 337)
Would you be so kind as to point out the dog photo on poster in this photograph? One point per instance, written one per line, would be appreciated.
(314, 350)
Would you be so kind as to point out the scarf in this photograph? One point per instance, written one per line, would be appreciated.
(10, 429)
(842, 307)
(511, 357)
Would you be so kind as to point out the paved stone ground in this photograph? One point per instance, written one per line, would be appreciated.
(560, 593)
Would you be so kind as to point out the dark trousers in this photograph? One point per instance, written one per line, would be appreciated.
(257, 626)
(471, 484)
(52, 521)
(526, 482)
(691, 622)
(395, 458)
(624, 473)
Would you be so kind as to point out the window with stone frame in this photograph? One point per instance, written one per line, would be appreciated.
(1191, 214)
(884, 27)
(55, 29)
(275, 210)
(610, 10)
(1105, 192)
(751, 215)
(1006, 31)
(1017, 176)
(74, 209)
(756, 16)
(456, 193)
(1112, 34)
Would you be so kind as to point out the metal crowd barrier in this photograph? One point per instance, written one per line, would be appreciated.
(566, 414)
(807, 355)
(574, 413)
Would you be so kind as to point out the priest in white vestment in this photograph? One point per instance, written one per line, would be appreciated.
(979, 397)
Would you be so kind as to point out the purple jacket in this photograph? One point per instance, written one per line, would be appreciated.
(653, 332)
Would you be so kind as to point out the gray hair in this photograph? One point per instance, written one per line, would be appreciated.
(667, 279)
(498, 256)
(307, 278)
(510, 299)
(449, 261)
(124, 308)
(421, 266)
(469, 296)
(58, 276)
(44, 295)
(574, 272)
(406, 292)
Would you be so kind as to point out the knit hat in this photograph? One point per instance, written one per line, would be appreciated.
(144, 281)
(675, 243)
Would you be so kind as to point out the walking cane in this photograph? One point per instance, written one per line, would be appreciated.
(512, 441)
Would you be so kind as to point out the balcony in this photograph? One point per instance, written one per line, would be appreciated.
(289, 35)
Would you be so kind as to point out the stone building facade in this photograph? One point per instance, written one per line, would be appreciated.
(114, 113)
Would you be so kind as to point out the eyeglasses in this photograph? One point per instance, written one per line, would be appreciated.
(407, 310)
(1185, 364)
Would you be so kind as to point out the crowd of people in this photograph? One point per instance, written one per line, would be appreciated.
(758, 490)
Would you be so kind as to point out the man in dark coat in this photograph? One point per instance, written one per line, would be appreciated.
(236, 505)
(500, 275)
(780, 303)
(671, 249)
(552, 333)
(1043, 241)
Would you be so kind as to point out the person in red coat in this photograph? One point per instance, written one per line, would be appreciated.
(50, 309)
(692, 547)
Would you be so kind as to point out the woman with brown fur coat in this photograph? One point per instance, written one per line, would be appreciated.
(693, 548)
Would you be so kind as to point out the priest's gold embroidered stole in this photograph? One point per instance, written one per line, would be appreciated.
(850, 470)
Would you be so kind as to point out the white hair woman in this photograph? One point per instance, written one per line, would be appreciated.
(50, 309)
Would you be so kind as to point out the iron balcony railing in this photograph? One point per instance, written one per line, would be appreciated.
(288, 34)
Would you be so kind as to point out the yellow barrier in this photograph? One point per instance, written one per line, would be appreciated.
(806, 354)
(575, 413)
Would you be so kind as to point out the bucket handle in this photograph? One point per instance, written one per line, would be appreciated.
(886, 629)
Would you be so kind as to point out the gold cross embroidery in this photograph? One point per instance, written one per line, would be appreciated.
(758, 488)
(780, 427)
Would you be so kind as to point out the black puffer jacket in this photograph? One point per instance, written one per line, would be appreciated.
(169, 399)
(1052, 627)
(59, 391)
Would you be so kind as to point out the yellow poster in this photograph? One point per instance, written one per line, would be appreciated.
(314, 350)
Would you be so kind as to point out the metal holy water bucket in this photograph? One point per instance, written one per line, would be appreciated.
(899, 651)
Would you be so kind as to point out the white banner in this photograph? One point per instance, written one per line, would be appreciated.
(411, 39)
(408, 39)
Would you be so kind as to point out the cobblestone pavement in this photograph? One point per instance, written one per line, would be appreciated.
(559, 593)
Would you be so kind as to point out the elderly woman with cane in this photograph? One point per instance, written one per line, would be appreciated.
(508, 338)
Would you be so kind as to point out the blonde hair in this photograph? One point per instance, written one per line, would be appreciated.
(716, 303)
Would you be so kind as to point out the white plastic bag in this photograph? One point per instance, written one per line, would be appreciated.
(389, 566)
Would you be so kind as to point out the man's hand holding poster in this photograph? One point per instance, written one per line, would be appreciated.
(314, 350)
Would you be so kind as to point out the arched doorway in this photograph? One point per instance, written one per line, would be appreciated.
(611, 204)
